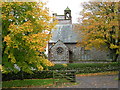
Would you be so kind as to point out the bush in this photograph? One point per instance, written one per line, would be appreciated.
(87, 67)
(78, 67)
(24, 75)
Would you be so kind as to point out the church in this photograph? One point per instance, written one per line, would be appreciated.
(62, 47)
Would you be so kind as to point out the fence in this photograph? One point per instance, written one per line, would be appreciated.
(67, 74)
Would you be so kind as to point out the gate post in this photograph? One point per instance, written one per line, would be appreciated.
(73, 76)
(53, 77)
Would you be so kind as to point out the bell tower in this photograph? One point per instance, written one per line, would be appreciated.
(67, 13)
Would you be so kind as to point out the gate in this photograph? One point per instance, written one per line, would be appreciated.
(67, 74)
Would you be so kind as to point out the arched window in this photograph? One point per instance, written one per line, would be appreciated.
(67, 16)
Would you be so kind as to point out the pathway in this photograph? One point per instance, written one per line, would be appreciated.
(103, 81)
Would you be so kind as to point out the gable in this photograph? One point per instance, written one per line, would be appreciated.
(59, 44)
(59, 51)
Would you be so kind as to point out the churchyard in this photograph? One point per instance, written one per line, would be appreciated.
(43, 51)
(59, 75)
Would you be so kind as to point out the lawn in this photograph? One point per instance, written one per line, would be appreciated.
(44, 83)
(100, 73)
(32, 83)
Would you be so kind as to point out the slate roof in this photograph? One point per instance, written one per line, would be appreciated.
(65, 33)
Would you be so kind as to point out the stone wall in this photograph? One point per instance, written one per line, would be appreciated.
(78, 53)
(55, 54)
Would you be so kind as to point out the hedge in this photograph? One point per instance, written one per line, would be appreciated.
(78, 67)
(87, 67)
(24, 75)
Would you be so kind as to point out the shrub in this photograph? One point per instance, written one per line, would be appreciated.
(79, 67)
(24, 75)
(87, 67)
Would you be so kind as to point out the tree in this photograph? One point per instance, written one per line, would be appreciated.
(99, 27)
(24, 36)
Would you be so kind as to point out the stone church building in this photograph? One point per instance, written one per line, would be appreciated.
(62, 46)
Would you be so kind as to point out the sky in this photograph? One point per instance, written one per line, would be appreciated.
(58, 6)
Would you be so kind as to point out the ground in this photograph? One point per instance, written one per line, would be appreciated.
(100, 81)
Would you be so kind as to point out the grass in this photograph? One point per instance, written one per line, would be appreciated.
(101, 73)
(93, 60)
(43, 83)
(116, 78)
(32, 83)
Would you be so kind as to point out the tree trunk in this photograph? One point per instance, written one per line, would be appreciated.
(115, 58)
(113, 55)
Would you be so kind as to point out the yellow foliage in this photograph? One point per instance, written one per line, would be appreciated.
(112, 46)
(40, 68)
(47, 62)
(96, 25)
(7, 38)
(27, 37)
(87, 48)
(1, 68)
(65, 65)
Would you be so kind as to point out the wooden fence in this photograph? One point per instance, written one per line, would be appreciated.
(67, 74)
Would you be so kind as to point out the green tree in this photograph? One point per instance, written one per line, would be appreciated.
(24, 36)
(100, 28)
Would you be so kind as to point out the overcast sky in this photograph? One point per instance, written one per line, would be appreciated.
(58, 6)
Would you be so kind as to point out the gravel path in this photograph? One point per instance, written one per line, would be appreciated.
(103, 81)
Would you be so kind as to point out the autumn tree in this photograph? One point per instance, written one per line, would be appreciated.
(24, 36)
(99, 27)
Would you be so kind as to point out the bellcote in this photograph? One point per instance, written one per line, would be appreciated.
(67, 13)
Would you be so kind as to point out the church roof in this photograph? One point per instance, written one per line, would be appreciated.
(65, 33)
